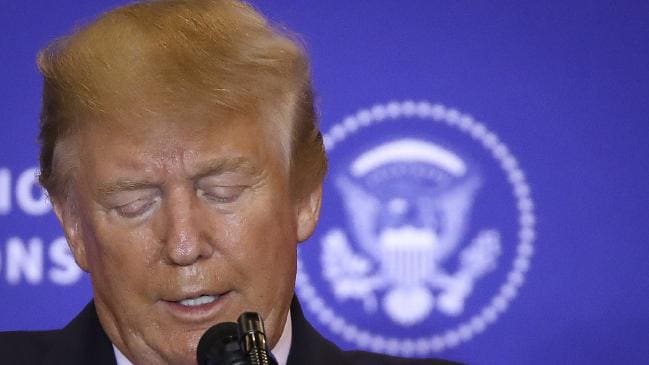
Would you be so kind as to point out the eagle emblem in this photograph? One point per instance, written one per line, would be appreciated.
(408, 203)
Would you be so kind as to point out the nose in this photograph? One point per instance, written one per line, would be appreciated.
(186, 240)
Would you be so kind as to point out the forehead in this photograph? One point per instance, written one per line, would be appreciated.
(189, 142)
(150, 120)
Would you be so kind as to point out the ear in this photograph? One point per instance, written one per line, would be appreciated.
(67, 213)
(308, 212)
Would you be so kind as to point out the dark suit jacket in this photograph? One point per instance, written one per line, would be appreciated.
(84, 342)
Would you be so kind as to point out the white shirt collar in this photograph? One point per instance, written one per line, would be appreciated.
(283, 346)
(121, 359)
(280, 351)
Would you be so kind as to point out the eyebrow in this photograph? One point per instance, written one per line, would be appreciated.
(220, 166)
(123, 185)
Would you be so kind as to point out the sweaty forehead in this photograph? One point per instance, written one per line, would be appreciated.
(192, 146)
(150, 120)
(143, 123)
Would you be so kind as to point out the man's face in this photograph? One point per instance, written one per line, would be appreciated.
(183, 227)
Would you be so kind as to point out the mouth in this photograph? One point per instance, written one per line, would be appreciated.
(198, 301)
(196, 307)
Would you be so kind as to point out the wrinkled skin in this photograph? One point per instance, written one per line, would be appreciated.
(161, 212)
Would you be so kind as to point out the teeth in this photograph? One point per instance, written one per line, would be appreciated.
(203, 299)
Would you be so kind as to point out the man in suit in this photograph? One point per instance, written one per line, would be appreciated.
(181, 152)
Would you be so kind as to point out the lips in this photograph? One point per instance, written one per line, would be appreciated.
(196, 307)
(192, 296)
(200, 300)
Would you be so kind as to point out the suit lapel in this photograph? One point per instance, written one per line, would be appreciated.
(82, 341)
(307, 345)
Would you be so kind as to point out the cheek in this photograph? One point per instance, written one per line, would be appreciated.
(119, 255)
(268, 229)
(266, 248)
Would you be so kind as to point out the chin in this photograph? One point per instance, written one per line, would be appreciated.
(181, 358)
(182, 350)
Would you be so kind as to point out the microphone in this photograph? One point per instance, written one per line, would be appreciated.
(253, 339)
(230, 343)
(220, 345)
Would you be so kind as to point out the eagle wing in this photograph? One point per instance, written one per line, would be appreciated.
(362, 210)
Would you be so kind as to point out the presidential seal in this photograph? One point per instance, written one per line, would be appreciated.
(426, 233)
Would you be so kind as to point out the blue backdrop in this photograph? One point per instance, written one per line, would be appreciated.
(530, 115)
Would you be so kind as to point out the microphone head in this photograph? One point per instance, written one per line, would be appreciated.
(219, 345)
(250, 322)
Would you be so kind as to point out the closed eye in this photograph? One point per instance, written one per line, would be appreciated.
(135, 208)
(222, 194)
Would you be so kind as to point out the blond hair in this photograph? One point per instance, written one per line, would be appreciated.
(158, 57)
